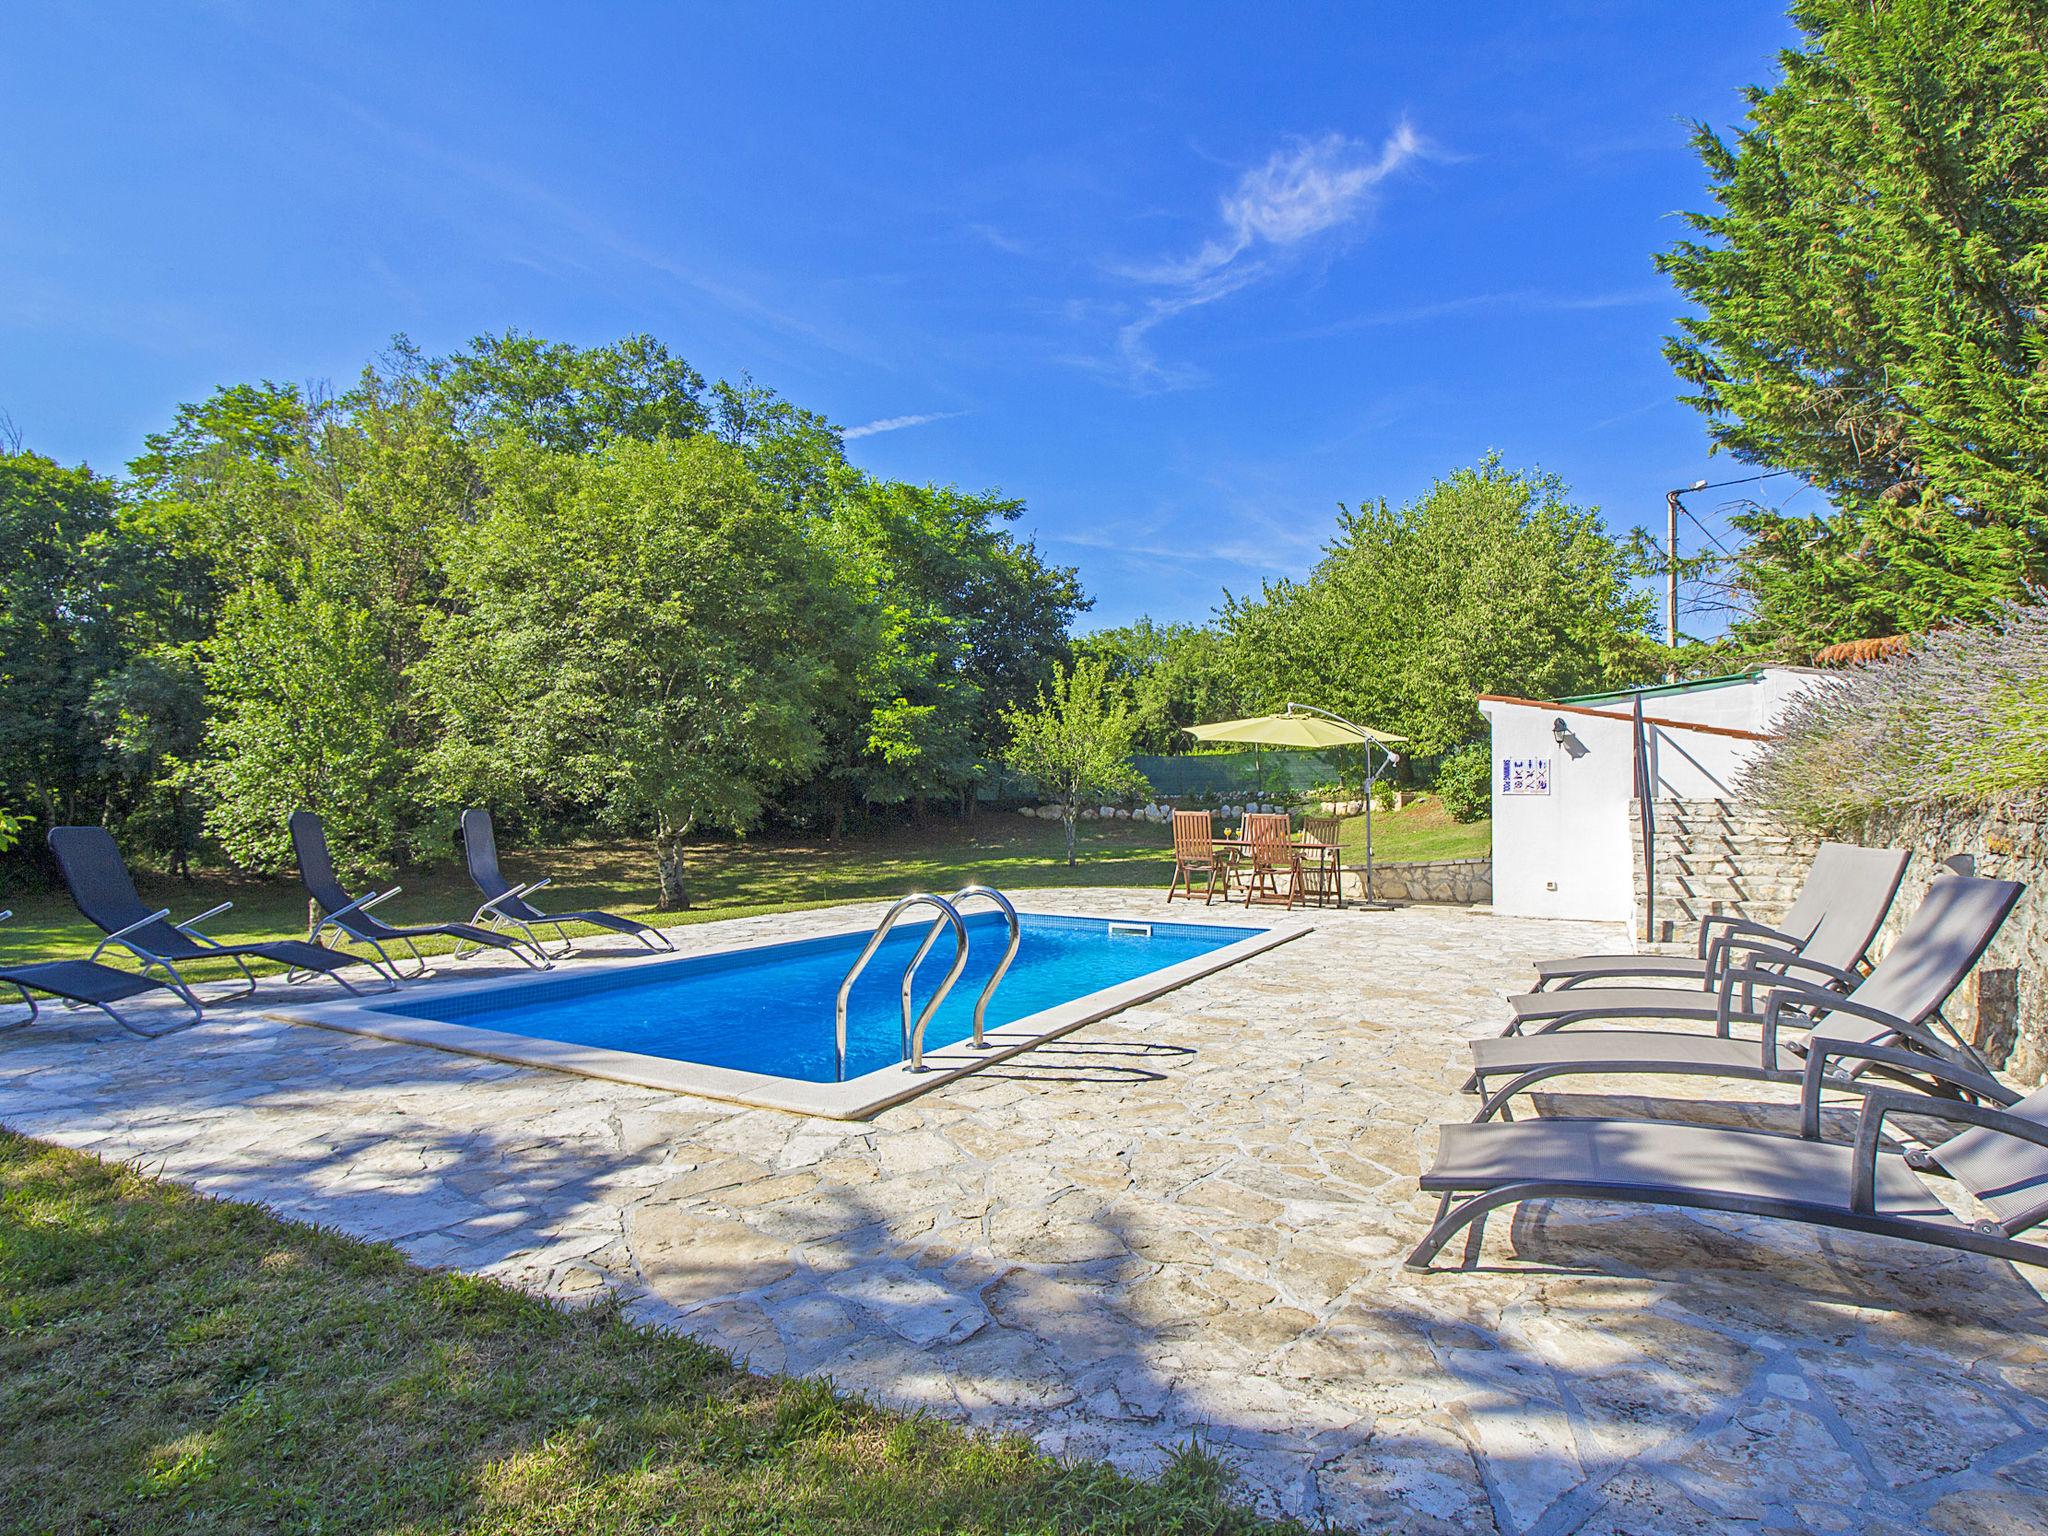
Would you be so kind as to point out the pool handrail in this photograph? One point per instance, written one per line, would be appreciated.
(1003, 965)
(913, 1037)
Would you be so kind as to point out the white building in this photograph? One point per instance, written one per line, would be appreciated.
(1564, 776)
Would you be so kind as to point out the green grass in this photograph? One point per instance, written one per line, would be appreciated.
(1420, 831)
(734, 879)
(174, 1363)
(727, 879)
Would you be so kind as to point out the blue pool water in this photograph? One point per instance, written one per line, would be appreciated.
(771, 1009)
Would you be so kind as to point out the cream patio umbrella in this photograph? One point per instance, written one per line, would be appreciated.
(1305, 725)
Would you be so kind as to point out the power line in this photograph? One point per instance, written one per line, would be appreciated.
(1712, 537)
(1693, 517)
(1675, 505)
(1715, 485)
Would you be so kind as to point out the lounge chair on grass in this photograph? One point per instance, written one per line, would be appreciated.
(1894, 1006)
(2000, 1158)
(350, 916)
(104, 891)
(505, 902)
(1837, 913)
(90, 985)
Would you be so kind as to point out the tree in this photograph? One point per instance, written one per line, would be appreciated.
(573, 399)
(58, 635)
(302, 695)
(967, 620)
(149, 718)
(1871, 294)
(1075, 742)
(638, 630)
(213, 491)
(1178, 675)
(795, 454)
(1491, 582)
(1016, 609)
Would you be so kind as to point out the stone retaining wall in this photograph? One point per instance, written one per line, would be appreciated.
(1460, 882)
(1715, 856)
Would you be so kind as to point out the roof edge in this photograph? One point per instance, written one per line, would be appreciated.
(1561, 707)
(1726, 680)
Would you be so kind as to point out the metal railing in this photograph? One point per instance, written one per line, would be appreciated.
(913, 1036)
(1016, 935)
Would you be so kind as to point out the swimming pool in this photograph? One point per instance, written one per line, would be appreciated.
(757, 1022)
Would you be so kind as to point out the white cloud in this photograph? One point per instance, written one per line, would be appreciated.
(898, 423)
(1315, 185)
(1307, 189)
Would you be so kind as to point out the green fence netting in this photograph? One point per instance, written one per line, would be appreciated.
(1277, 773)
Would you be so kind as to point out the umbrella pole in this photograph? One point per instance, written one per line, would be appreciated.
(1368, 823)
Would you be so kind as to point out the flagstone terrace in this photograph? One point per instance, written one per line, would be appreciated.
(1184, 1221)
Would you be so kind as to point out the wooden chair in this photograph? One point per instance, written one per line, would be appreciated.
(1195, 852)
(1270, 851)
(1323, 872)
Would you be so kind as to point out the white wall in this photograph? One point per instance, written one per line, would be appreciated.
(1564, 854)
(1567, 853)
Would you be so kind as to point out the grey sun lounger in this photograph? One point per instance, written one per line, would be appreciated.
(1837, 913)
(350, 916)
(2000, 1158)
(506, 903)
(1827, 957)
(103, 890)
(1894, 1006)
(90, 985)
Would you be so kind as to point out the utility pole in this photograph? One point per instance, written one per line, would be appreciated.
(1671, 584)
(1671, 574)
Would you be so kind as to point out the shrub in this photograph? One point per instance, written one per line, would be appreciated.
(1962, 716)
(1465, 781)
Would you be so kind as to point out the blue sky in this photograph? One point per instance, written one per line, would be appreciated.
(1183, 278)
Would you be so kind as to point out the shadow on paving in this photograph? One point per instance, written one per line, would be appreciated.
(1630, 1370)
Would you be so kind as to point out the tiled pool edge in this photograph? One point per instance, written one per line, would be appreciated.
(856, 1099)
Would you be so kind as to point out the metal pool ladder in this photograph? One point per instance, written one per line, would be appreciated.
(989, 991)
(913, 1037)
(913, 1034)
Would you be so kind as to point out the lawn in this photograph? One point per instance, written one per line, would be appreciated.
(173, 1363)
(735, 879)
(1423, 830)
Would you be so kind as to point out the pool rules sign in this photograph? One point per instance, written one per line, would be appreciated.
(1525, 776)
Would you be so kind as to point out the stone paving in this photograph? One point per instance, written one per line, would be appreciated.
(1183, 1222)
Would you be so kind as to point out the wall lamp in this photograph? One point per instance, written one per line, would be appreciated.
(1559, 731)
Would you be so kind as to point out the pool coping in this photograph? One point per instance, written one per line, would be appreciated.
(855, 1099)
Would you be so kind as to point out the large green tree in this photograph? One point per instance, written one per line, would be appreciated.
(99, 694)
(964, 618)
(639, 629)
(1491, 582)
(303, 700)
(321, 524)
(572, 399)
(1178, 675)
(59, 635)
(1873, 312)
(796, 455)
